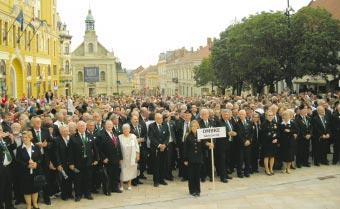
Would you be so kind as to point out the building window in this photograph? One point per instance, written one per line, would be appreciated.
(48, 70)
(67, 67)
(54, 70)
(67, 49)
(29, 89)
(80, 77)
(29, 70)
(5, 38)
(90, 46)
(38, 71)
(37, 40)
(102, 76)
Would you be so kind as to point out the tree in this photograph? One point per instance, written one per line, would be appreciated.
(316, 37)
(250, 51)
(203, 73)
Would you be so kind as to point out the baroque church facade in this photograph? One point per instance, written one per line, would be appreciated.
(96, 71)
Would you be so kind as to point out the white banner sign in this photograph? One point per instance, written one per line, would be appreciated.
(211, 133)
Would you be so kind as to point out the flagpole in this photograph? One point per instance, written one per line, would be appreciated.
(35, 32)
(19, 38)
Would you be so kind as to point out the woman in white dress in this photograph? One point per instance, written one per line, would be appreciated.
(130, 150)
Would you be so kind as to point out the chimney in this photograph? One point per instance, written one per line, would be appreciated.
(209, 43)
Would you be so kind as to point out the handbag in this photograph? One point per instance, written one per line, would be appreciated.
(39, 181)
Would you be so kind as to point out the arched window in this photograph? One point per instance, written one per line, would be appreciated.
(38, 70)
(80, 77)
(2, 68)
(102, 76)
(67, 67)
(48, 70)
(29, 70)
(90, 46)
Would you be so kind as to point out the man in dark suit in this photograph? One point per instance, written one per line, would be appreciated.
(204, 122)
(61, 162)
(223, 146)
(158, 135)
(43, 140)
(320, 136)
(82, 156)
(141, 134)
(117, 127)
(6, 122)
(182, 130)
(303, 123)
(244, 139)
(7, 145)
(170, 124)
(110, 156)
(255, 146)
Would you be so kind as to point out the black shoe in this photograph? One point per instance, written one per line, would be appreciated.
(334, 163)
(210, 179)
(317, 164)
(247, 175)
(298, 166)
(94, 191)
(224, 180)
(203, 180)
(255, 171)
(47, 202)
(107, 193)
(89, 197)
(240, 175)
(292, 167)
(17, 202)
(325, 163)
(139, 182)
(306, 165)
(193, 194)
(163, 183)
(229, 177)
(197, 194)
(171, 178)
(117, 191)
(184, 179)
(77, 199)
(35, 207)
(142, 176)
(64, 198)
(156, 184)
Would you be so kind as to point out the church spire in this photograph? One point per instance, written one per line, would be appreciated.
(89, 22)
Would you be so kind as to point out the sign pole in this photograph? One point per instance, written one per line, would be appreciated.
(212, 164)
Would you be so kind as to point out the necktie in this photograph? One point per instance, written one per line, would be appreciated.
(39, 136)
(7, 153)
(83, 138)
(257, 131)
(206, 124)
(323, 122)
(137, 130)
(114, 141)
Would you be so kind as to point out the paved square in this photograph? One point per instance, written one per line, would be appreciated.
(303, 188)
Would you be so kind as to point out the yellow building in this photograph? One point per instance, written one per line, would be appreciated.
(29, 53)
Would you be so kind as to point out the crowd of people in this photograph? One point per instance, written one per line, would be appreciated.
(73, 147)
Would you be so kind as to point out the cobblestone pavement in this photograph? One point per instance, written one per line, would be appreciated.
(315, 187)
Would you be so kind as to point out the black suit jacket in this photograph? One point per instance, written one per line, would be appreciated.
(117, 131)
(6, 127)
(23, 158)
(61, 151)
(45, 136)
(244, 133)
(76, 151)
(158, 137)
(303, 127)
(193, 149)
(317, 127)
(108, 149)
(10, 146)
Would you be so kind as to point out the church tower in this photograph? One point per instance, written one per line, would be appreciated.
(90, 38)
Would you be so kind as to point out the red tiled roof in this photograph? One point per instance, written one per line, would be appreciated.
(332, 6)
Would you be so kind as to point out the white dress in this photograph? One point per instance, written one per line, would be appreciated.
(129, 147)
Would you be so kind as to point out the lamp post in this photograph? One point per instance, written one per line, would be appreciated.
(289, 47)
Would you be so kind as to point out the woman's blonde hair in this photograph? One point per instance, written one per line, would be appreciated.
(193, 123)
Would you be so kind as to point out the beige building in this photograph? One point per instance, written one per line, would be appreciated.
(94, 68)
(176, 71)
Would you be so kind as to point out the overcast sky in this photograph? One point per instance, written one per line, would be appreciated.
(138, 30)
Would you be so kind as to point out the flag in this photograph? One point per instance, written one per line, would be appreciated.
(31, 26)
(20, 19)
